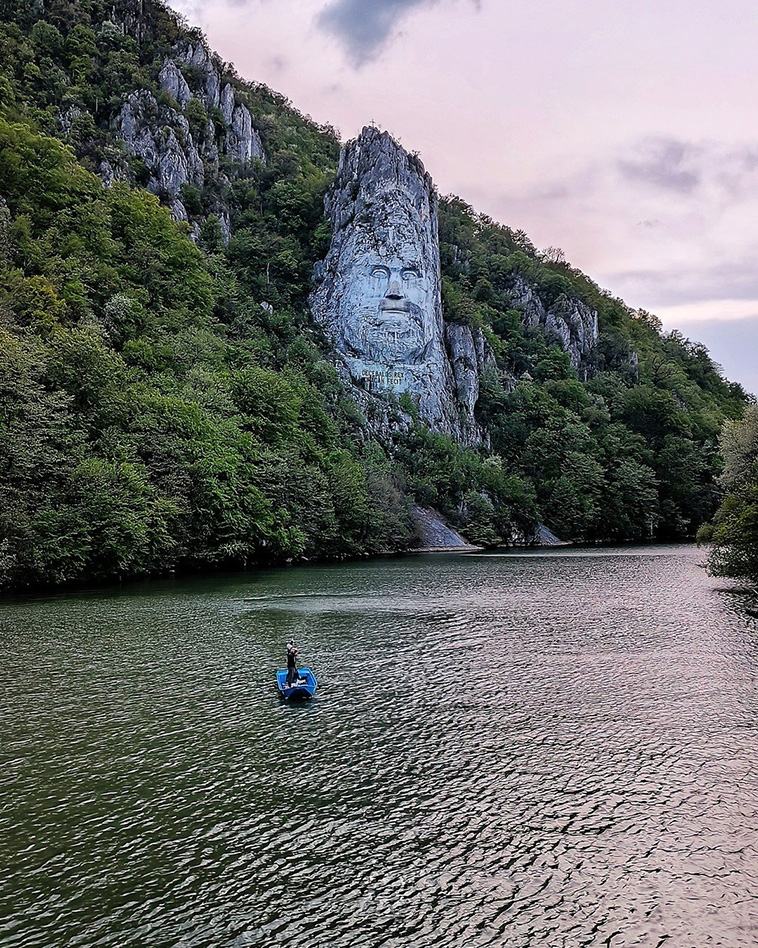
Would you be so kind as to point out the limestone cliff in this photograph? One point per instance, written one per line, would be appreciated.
(378, 292)
(178, 146)
(239, 139)
(570, 324)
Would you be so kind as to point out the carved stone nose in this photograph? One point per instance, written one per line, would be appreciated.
(394, 292)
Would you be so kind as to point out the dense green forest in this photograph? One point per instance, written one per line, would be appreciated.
(733, 533)
(169, 404)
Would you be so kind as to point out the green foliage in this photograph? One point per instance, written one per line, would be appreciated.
(165, 405)
(137, 432)
(476, 493)
(733, 534)
(627, 453)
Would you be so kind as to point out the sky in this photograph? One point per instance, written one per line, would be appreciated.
(625, 133)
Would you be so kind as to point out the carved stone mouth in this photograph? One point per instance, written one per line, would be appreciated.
(395, 306)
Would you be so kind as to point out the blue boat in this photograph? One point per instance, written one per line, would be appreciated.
(304, 686)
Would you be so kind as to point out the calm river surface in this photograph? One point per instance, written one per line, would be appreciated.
(533, 749)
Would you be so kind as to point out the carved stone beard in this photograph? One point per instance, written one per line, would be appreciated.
(394, 337)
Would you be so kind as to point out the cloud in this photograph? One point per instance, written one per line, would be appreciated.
(729, 279)
(736, 170)
(665, 163)
(363, 27)
(279, 63)
(683, 168)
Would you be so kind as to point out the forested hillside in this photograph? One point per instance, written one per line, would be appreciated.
(733, 534)
(166, 401)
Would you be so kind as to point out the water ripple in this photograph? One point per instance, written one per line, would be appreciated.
(529, 750)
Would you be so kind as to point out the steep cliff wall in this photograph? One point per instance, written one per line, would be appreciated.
(179, 143)
(378, 292)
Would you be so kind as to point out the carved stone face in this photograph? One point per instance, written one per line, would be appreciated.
(390, 306)
(378, 292)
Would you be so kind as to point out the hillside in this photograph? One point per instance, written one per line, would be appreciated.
(166, 399)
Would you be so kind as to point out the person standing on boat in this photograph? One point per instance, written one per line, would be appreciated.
(291, 662)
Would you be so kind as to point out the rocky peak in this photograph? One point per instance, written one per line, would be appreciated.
(161, 136)
(227, 103)
(172, 82)
(568, 323)
(200, 57)
(378, 292)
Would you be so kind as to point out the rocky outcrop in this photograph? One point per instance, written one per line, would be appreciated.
(241, 140)
(200, 58)
(172, 82)
(227, 103)
(378, 291)
(568, 323)
(470, 355)
(161, 138)
(173, 152)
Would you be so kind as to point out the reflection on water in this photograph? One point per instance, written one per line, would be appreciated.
(535, 749)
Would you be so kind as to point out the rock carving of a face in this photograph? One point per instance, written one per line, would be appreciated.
(377, 294)
(392, 310)
(379, 289)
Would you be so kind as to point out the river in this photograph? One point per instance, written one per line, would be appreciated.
(531, 750)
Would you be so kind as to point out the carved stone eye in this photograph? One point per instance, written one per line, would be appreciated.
(381, 272)
(410, 274)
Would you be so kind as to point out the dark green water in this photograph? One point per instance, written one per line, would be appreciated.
(555, 749)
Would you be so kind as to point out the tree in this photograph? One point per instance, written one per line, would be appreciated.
(733, 533)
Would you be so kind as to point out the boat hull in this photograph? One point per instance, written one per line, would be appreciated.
(303, 689)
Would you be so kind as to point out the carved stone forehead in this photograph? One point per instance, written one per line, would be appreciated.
(392, 230)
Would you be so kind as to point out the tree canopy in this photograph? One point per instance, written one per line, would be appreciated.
(733, 533)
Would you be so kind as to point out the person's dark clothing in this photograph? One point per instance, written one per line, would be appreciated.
(291, 666)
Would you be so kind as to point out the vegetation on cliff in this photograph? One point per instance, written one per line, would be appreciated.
(631, 453)
(166, 404)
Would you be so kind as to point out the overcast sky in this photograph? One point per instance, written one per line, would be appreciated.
(624, 132)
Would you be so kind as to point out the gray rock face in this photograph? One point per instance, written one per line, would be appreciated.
(469, 355)
(162, 139)
(173, 83)
(242, 141)
(199, 57)
(379, 291)
(227, 103)
(212, 86)
(570, 324)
